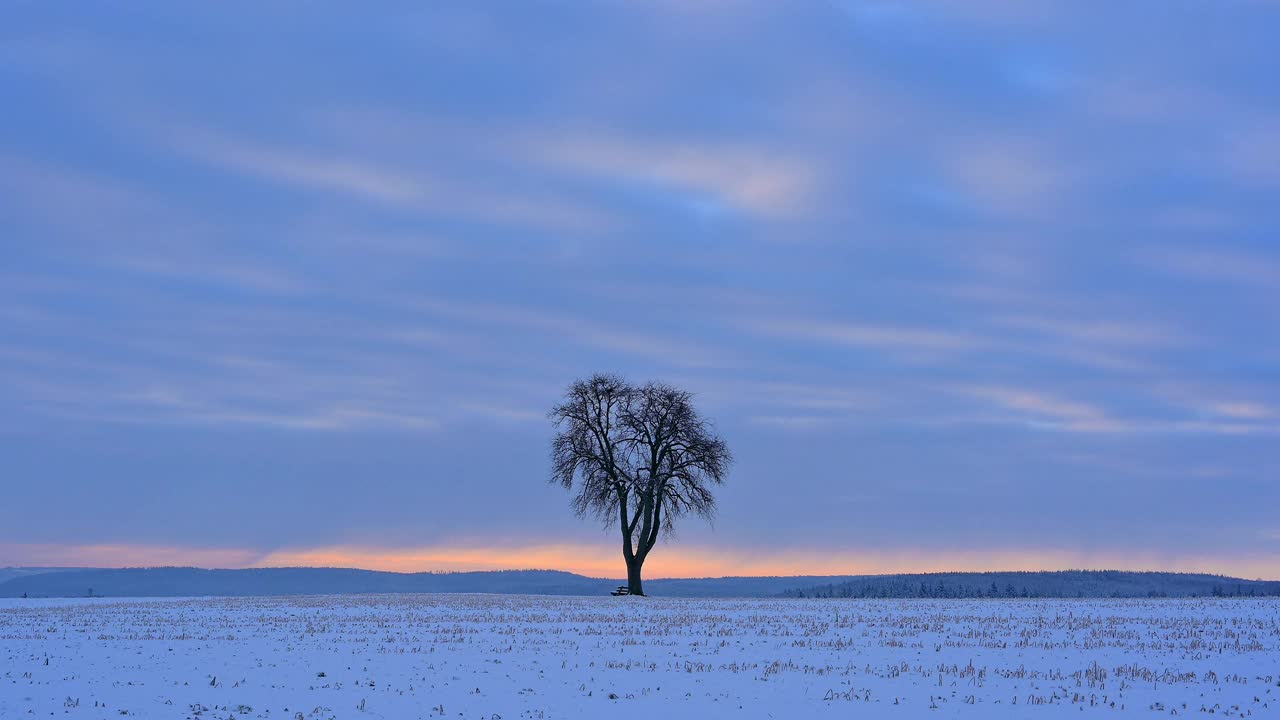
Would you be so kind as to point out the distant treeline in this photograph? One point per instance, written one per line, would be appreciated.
(196, 582)
(1058, 584)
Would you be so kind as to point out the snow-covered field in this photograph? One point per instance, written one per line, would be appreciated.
(483, 656)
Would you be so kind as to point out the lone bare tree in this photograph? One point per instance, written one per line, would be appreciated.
(639, 456)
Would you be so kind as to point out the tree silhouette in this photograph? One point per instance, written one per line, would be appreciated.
(638, 456)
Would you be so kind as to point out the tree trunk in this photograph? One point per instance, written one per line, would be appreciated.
(633, 577)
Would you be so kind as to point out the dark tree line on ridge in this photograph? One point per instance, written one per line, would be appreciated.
(1059, 584)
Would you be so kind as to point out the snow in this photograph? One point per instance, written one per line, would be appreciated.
(492, 656)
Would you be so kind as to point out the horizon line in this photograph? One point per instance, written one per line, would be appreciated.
(653, 579)
(602, 561)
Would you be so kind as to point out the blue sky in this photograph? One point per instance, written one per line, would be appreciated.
(968, 285)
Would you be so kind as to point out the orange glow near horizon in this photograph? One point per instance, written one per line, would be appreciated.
(600, 560)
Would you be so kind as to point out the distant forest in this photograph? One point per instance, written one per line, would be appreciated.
(1059, 584)
(196, 582)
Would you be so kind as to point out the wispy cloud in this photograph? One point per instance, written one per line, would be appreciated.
(237, 275)
(121, 554)
(1252, 270)
(1252, 155)
(505, 413)
(759, 180)
(791, 422)
(414, 189)
(1047, 410)
(1008, 177)
(176, 406)
(622, 337)
(1230, 404)
(1244, 410)
(1096, 332)
(883, 337)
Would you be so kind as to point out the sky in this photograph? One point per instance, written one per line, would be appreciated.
(964, 285)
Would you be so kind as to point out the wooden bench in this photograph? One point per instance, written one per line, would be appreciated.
(622, 590)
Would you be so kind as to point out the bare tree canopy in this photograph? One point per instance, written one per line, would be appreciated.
(638, 456)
